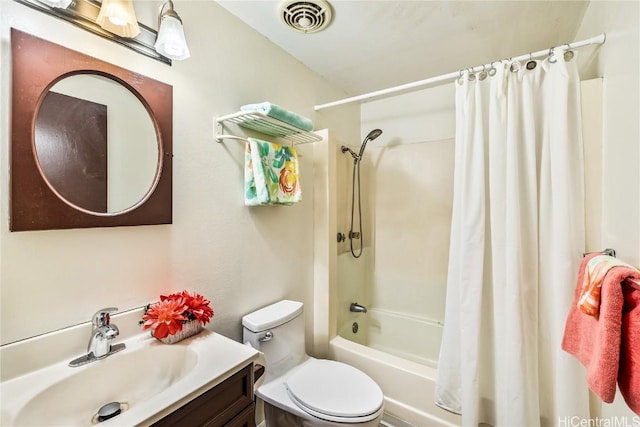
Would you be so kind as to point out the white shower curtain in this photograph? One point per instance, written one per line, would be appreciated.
(516, 244)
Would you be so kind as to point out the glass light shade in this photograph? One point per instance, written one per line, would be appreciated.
(62, 4)
(118, 17)
(171, 41)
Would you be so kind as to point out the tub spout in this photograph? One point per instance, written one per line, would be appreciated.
(357, 308)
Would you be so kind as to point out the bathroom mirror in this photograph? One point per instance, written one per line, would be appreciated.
(91, 142)
(95, 144)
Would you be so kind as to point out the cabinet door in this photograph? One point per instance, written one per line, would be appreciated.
(217, 407)
(246, 418)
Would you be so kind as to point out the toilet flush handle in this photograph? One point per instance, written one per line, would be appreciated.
(267, 336)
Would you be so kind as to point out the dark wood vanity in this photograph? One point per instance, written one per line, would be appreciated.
(229, 404)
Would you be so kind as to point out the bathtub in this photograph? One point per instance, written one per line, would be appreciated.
(385, 348)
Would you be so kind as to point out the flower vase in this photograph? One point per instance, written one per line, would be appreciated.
(189, 328)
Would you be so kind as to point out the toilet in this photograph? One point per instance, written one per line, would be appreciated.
(302, 391)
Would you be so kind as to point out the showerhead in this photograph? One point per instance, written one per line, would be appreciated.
(370, 137)
(373, 134)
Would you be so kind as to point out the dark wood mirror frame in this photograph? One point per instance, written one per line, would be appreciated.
(36, 66)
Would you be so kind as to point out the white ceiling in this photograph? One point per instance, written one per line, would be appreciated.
(376, 44)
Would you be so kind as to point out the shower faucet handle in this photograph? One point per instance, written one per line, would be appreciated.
(354, 235)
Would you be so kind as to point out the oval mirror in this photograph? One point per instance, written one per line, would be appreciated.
(96, 144)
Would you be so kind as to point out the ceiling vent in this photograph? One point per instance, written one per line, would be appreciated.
(305, 16)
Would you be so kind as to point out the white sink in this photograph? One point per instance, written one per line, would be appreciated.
(148, 378)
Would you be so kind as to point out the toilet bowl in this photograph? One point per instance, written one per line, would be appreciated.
(303, 391)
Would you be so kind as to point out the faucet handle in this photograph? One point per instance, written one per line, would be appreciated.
(103, 316)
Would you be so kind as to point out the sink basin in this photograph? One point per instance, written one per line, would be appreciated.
(127, 378)
(147, 378)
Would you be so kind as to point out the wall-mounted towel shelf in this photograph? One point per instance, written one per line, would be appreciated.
(263, 124)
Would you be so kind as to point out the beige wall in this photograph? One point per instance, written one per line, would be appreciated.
(240, 258)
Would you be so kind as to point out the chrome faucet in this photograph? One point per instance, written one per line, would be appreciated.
(357, 308)
(102, 334)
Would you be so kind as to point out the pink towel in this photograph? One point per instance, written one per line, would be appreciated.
(607, 345)
(629, 374)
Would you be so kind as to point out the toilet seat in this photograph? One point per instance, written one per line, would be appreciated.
(335, 391)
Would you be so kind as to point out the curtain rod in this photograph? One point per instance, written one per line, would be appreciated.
(600, 39)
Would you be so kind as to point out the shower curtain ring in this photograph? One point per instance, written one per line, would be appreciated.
(471, 76)
(552, 57)
(568, 54)
(531, 64)
(492, 70)
(460, 79)
(515, 65)
(483, 73)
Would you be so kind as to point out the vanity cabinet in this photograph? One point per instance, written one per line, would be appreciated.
(229, 404)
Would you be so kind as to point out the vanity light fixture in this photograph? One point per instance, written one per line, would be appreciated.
(62, 4)
(171, 41)
(118, 17)
(84, 14)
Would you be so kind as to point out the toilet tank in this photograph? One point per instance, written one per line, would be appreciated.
(277, 331)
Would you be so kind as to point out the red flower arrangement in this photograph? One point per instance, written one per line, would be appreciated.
(168, 316)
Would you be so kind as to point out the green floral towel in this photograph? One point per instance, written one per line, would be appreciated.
(271, 174)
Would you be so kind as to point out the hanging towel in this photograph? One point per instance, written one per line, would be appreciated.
(629, 374)
(595, 273)
(271, 174)
(277, 112)
(600, 342)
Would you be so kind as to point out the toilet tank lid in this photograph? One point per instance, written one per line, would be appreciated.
(272, 315)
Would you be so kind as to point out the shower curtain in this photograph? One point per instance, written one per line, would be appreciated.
(517, 240)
